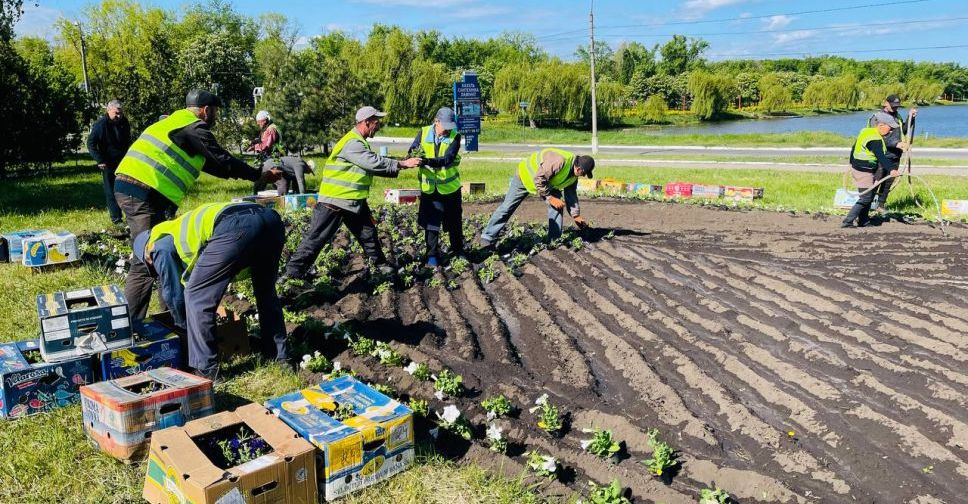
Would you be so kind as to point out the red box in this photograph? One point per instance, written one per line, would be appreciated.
(678, 190)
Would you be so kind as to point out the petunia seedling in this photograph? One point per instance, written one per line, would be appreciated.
(363, 346)
(542, 465)
(602, 445)
(451, 419)
(610, 494)
(344, 411)
(315, 363)
(387, 355)
(549, 419)
(495, 436)
(711, 496)
(449, 383)
(496, 406)
(419, 407)
(419, 371)
(663, 456)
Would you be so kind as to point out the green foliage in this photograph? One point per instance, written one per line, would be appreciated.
(655, 109)
(611, 494)
(681, 54)
(344, 411)
(420, 371)
(459, 265)
(383, 288)
(449, 383)
(419, 407)
(711, 94)
(602, 445)
(711, 496)
(316, 363)
(363, 346)
(776, 98)
(388, 355)
(664, 457)
(498, 405)
(549, 420)
(384, 389)
(542, 465)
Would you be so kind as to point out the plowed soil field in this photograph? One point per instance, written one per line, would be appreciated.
(787, 360)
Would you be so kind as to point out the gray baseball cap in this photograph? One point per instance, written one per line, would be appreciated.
(368, 112)
(202, 98)
(447, 118)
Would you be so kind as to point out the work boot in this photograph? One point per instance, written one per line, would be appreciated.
(846, 224)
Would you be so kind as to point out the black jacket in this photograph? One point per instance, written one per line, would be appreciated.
(109, 140)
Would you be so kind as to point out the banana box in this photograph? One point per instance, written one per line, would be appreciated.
(954, 208)
(29, 386)
(707, 191)
(644, 189)
(244, 456)
(401, 196)
(120, 415)
(154, 347)
(299, 201)
(739, 193)
(845, 199)
(50, 248)
(12, 244)
(370, 445)
(82, 323)
(611, 185)
(587, 185)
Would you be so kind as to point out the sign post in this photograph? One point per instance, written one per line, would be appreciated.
(467, 104)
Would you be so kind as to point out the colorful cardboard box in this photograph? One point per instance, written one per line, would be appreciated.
(361, 450)
(273, 202)
(401, 196)
(82, 323)
(612, 185)
(121, 415)
(155, 346)
(300, 201)
(845, 199)
(472, 188)
(183, 467)
(12, 244)
(587, 185)
(954, 208)
(644, 189)
(678, 190)
(707, 191)
(50, 248)
(28, 387)
(739, 193)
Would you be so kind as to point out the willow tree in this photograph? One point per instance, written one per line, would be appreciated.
(774, 98)
(711, 94)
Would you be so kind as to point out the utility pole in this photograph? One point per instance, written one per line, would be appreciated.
(591, 32)
(87, 84)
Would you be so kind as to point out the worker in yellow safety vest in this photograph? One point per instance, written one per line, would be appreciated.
(196, 255)
(159, 170)
(440, 195)
(868, 158)
(552, 174)
(345, 185)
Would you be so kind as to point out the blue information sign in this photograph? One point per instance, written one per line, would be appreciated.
(467, 104)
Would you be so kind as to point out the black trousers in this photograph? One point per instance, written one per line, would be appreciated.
(323, 227)
(861, 210)
(442, 211)
(884, 189)
(141, 215)
(114, 211)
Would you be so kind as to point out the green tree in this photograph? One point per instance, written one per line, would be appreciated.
(711, 94)
(655, 109)
(680, 55)
(277, 39)
(748, 87)
(604, 59)
(775, 98)
(634, 58)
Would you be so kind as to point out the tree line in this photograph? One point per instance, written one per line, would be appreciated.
(148, 57)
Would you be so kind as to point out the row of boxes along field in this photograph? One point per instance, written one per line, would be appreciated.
(670, 190)
(136, 403)
(271, 199)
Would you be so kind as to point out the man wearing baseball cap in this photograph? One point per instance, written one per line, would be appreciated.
(345, 185)
(891, 115)
(440, 198)
(159, 170)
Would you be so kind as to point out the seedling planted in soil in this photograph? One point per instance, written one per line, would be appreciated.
(542, 465)
(419, 371)
(316, 363)
(452, 420)
(419, 407)
(549, 419)
(602, 445)
(363, 346)
(717, 496)
(611, 494)
(663, 456)
(449, 383)
(384, 389)
(497, 406)
(387, 355)
(495, 436)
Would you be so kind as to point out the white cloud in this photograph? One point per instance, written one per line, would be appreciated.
(794, 36)
(479, 11)
(416, 3)
(777, 22)
(37, 21)
(698, 8)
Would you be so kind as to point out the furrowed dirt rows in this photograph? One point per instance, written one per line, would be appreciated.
(787, 360)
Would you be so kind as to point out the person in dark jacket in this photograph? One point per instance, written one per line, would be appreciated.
(159, 170)
(868, 159)
(896, 145)
(109, 139)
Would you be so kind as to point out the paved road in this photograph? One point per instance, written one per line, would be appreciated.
(646, 150)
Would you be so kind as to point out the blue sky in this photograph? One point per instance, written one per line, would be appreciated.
(733, 28)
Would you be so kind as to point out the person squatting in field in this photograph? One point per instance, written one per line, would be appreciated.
(868, 160)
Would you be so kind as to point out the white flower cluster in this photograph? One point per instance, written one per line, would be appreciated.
(307, 358)
(539, 402)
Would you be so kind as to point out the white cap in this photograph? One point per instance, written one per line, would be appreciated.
(263, 115)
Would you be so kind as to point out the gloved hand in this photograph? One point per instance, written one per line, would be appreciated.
(895, 173)
(581, 222)
(903, 146)
(556, 203)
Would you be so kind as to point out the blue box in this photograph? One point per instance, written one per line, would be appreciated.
(354, 453)
(83, 323)
(300, 201)
(12, 244)
(27, 389)
(157, 347)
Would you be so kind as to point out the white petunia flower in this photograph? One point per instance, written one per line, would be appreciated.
(337, 365)
(450, 414)
(120, 262)
(439, 395)
(494, 432)
(586, 443)
(307, 358)
(540, 401)
(491, 415)
(411, 368)
(317, 354)
(550, 464)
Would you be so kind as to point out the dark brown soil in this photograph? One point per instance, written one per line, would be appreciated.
(726, 330)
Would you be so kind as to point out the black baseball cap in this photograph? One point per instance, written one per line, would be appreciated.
(894, 100)
(202, 98)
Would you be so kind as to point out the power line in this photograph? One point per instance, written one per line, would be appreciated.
(778, 30)
(761, 16)
(834, 53)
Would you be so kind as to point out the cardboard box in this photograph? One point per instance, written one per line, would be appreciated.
(472, 188)
(845, 199)
(121, 415)
(231, 333)
(299, 201)
(644, 189)
(401, 196)
(707, 191)
(50, 248)
(954, 208)
(359, 451)
(274, 202)
(678, 190)
(82, 323)
(183, 465)
(12, 244)
(155, 346)
(612, 186)
(739, 193)
(587, 185)
(28, 387)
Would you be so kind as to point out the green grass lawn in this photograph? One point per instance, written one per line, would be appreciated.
(47, 459)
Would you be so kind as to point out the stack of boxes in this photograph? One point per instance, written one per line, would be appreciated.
(12, 244)
(83, 322)
(38, 247)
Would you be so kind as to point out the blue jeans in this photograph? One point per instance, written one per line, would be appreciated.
(251, 238)
(516, 194)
